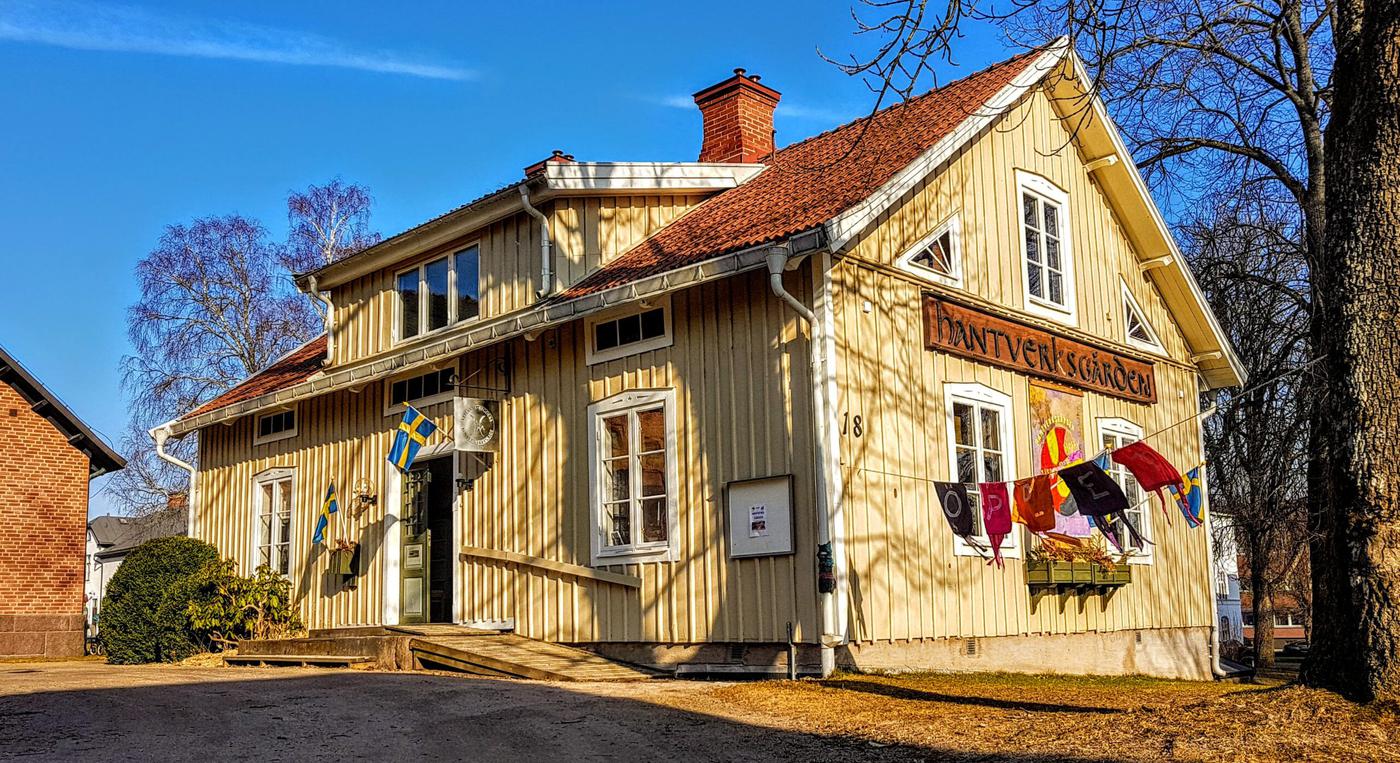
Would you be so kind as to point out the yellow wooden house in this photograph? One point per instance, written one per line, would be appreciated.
(687, 411)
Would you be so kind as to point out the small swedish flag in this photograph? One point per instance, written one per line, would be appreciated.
(328, 507)
(414, 431)
(1190, 499)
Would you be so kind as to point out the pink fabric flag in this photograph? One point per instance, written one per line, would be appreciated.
(996, 515)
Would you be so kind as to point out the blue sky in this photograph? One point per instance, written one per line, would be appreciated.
(121, 119)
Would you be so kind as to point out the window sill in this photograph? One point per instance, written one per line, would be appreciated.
(268, 440)
(397, 409)
(1051, 310)
(638, 556)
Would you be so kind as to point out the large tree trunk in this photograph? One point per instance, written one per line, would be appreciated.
(1356, 485)
(1262, 608)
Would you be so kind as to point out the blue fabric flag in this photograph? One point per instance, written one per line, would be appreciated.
(328, 507)
(1191, 499)
(413, 433)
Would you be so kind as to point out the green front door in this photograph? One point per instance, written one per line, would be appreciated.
(413, 561)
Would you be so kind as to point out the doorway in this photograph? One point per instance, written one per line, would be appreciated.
(427, 555)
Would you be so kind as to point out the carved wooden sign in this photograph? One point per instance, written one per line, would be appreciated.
(952, 328)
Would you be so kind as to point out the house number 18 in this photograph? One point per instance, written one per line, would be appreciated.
(853, 424)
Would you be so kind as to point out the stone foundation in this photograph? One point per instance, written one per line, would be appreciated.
(1161, 653)
(41, 635)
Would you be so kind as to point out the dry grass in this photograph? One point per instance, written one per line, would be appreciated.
(1013, 717)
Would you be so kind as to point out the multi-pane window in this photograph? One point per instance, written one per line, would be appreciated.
(978, 449)
(274, 522)
(420, 387)
(1115, 434)
(634, 332)
(276, 426)
(633, 468)
(936, 255)
(1045, 267)
(439, 293)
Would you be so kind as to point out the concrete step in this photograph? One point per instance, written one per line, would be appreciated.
(304, 660)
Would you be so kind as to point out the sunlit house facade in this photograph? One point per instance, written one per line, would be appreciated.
(686, 410)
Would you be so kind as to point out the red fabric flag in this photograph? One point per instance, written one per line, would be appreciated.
(1035, 506)
(996, 515)
(1150, 468)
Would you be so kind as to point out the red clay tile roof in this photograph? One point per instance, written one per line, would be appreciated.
(808, 183)
(296, 367)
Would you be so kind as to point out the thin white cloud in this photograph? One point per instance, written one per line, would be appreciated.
(790, 110)
(126, 29)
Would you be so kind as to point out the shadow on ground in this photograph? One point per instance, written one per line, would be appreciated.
(93, 711)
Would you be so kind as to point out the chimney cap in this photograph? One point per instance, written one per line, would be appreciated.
(557, 156)
(741, 81)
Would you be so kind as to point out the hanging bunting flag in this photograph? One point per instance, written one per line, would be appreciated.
(1151, 470)
(414, 431)
(1035, 508)
(957, 507)
(328, 507)
(1095, 493)
(996, 515)
(1190, 498)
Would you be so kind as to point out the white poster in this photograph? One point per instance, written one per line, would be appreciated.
(758, 521)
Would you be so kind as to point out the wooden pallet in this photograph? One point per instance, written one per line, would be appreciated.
(327, 660)
(492, 653)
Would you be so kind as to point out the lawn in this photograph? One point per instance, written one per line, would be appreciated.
(1001, 716)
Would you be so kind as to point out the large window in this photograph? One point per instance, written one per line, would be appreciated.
(1115, 433)
(937, 256)
(980, 450)
(439, 293)
(631, 330)
(272, 541)
(1045, 243)
(633, 476)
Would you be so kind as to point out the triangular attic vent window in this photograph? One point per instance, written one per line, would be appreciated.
(1135, 325)
(937, 256)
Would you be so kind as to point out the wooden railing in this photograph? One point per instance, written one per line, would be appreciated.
(574, 570)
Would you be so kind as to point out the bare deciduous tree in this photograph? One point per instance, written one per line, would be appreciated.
(326, 223)
(216, 306)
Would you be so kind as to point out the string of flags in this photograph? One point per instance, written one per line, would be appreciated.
(1089, 498)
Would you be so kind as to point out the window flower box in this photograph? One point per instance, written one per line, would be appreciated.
(1059, 573)
(1120, 575)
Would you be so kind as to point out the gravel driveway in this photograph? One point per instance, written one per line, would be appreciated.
(93, 711)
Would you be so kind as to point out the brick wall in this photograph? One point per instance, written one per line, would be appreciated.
(43, 533)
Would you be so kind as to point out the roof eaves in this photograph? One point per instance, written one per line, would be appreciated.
(102, 457)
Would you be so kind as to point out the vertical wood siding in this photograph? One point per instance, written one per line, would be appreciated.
(741, 413)
(907, 581)
(588, 232)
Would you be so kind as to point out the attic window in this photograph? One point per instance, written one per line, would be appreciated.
(632, 331)
(937, 256)
(1136, 330)
(278, 425)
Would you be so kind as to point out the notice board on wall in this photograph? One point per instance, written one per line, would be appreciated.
(759, 514)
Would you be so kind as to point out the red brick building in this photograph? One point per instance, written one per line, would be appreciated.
(47, 457)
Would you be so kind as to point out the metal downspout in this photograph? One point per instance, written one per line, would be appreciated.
(160, 435)
(777, 260)
(330, 317)
(546, 244)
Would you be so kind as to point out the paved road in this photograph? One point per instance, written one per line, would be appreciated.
(91, 711)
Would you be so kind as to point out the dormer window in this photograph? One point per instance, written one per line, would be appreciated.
(937, 256)
(439, 293)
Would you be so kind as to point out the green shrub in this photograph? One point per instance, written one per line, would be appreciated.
(141, 620)
(224, 607)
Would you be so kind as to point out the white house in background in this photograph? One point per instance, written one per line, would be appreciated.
(110, 539)
(1229, 615)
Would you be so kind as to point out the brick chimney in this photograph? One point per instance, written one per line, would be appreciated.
(738, 119)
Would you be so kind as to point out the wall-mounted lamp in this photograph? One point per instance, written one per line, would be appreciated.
(464, 484)
(365, 496)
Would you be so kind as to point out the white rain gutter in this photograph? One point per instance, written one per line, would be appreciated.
(160, 435)
(829, 611)
(330, 318)
(546, 262)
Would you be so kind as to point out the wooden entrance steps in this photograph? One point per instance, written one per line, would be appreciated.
(493, 653)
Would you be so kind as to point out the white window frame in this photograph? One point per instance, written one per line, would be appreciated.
(980, 395)
(635, 400)
(396, 409)
(1068, 313)
(279, 474)
(258, 439)
(1124, 428)
(951, 226)
(1130, 303)
(666, 339)
(422, 270)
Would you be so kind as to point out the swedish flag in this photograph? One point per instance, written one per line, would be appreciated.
(328, 507)
(413, 432)
(1191, 498)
